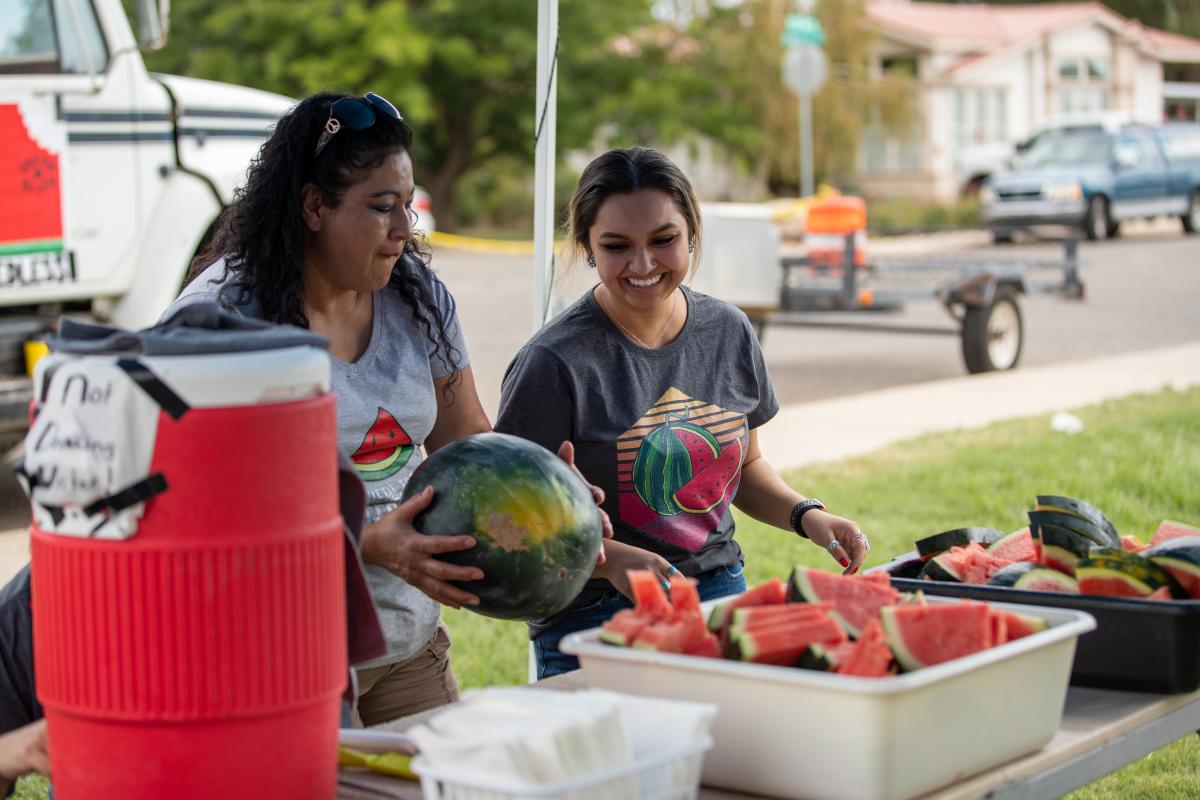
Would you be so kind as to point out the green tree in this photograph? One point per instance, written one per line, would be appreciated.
(462, 72)
(739, 98)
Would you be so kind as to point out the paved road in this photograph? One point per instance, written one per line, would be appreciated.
(1142, 294)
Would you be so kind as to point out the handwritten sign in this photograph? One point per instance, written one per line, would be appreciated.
(92, 441)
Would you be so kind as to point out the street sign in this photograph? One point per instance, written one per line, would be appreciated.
(805, 69)
(801, 29)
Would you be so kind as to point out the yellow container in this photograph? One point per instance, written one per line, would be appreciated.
(35, 351)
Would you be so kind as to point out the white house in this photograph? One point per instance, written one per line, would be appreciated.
(991, 75)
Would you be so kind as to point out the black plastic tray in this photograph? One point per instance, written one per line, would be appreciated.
(1138, 645)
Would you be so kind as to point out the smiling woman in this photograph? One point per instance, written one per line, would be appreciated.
(661, 391)
(323, 237)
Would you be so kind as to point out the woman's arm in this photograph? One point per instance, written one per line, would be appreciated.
(763, 495)
(459, 413)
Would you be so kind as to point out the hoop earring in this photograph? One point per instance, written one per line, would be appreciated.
(591, 259)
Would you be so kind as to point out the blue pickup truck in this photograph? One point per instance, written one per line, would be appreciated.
(1098, 177)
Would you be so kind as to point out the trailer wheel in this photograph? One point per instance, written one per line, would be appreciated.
(1191, 220)
(1096, 222)
(992, 336)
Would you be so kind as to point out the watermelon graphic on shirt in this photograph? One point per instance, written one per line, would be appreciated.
(385, 449)
(679, 467)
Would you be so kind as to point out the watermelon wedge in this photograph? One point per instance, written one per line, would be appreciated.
(922, 636)
(856, 598)
(623, 629)
(384, 450)
(782, 644)
(1179, 556)
(871, 656)
(1169, 529)
(772, 592)
(648, 595)
(1015, 546)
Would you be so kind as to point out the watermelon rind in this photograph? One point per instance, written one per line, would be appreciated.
(1066, 584)
(1079, 508)
(1062, 546)
(891, 627)
(1007, 576)
(1072, 523)
(998, 547)
(1181, 558)
(958, 537)
(1136, 570)
(938, 569)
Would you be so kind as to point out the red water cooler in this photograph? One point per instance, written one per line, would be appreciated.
(204, 655)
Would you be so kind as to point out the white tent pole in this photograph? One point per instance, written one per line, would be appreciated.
(546, 114)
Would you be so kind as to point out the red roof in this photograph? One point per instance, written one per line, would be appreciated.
(978, 30)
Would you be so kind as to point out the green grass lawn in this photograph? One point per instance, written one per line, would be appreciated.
(1138, 459)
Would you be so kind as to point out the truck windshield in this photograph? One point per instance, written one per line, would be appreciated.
(1068, 149)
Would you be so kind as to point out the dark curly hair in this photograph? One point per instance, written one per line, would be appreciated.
(261, 235)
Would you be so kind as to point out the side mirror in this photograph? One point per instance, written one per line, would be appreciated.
(153, 21)
(1126, 157)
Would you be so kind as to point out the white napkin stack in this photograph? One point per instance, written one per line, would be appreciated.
(511, 736)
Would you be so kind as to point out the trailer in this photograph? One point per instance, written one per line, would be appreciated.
(980, 292)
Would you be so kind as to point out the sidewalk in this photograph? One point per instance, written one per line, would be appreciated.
(848, 426)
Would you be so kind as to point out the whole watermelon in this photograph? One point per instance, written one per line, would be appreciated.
(536, 526)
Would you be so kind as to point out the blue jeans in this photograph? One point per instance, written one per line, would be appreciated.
(718, 582)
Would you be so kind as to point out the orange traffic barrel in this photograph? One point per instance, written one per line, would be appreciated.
(828, 222)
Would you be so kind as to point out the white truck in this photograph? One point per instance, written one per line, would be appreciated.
(110, 176)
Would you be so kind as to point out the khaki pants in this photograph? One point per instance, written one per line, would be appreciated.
(420, 682)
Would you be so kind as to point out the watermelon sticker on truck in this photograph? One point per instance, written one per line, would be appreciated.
(31, 228)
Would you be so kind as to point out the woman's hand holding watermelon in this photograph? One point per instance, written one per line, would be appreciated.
(394, 544)
(840, 537)
(566, 451)
(624, 557)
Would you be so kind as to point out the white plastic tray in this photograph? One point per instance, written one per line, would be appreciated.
(672, 773)
(809, 735)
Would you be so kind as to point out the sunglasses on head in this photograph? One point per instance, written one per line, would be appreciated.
(356, 113)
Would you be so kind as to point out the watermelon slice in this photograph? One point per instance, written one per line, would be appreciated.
(782, 644)
(1113, 572)
(871, 656)
(922, 636)
(648, 595)
(1133, 544)
(1014, 625)
(772, 592)
(685, 598)
(970, 564)
(856, 598)
(623, 629)
(385, 449)
(1015, 546)
(930, 546)
(1169, 529)
(708, 647)
(1082, 510)
(707, 489)
(1034, 578)
(1180, 557)
(825, 657)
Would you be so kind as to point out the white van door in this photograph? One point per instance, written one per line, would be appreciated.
(72, 192)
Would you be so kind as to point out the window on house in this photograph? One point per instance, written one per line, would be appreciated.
(899, 65)
(1083, 85)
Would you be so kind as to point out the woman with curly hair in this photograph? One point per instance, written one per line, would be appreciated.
(322, 237)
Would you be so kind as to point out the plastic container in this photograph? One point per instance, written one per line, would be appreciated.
(828, 222)
(205, 655)
(672, 774)
(809, 735)
(1138, 645)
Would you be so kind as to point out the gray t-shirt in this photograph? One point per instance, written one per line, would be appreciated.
(386, 407)
(663, 432)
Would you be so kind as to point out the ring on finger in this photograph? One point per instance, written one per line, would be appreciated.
(835, 543)
(671, 570)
